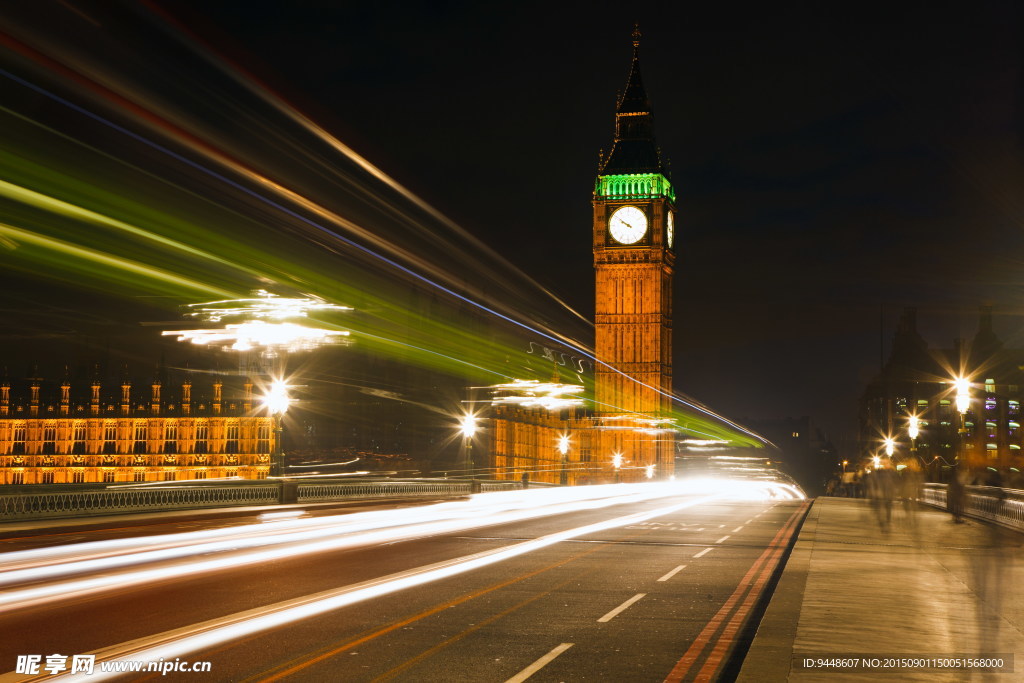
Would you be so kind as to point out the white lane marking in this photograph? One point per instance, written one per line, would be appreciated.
(621, 608)
(721, 526)
(539, 664)
(722, 539)
(749, 521)
(703, 552)
(739, 528)
(700, 529)
(673, 573)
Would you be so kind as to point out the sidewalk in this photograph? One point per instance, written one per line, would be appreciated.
(926, 587)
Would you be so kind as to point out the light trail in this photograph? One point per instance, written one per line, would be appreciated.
(266, 541)
(264, 93)
(295, 205)
(217, 632)
(12, 237)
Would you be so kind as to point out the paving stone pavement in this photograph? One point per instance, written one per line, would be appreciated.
(920, 586)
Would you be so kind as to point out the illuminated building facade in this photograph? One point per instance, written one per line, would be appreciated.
(53, 434)
(918, 381)
(633, 246)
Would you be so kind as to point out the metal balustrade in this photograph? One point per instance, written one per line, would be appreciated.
(113, 501)
(1004, 506)
(381, 489)
(23, 506)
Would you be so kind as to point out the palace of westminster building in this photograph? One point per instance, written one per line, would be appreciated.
(48, 437)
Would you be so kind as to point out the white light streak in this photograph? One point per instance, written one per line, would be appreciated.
(216, 632)
(263, 306)
(263, 325)
(261, 335)
(537, 394)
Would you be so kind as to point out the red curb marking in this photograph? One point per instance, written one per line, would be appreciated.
(766, 564)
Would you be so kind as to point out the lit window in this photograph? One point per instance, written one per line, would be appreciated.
(796, 435)
(141, 432)
(18, 447)
(231, 442)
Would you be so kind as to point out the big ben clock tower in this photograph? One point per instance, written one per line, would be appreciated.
(634, 233)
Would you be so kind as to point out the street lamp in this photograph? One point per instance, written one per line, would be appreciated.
(276, 400)
(890, 446)
(468, 428)
(913, 429)
(963, 402)
(649, 471)
(563, 448)
(616, 463)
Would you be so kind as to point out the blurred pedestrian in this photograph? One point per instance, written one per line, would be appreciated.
(910, 481)
(881, 488)
(955, 495)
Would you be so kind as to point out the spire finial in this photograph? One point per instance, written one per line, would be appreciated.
(636, 36)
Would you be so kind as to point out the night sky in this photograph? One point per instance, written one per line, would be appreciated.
(832, 164)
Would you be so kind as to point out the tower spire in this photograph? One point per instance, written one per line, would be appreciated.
(634, 149)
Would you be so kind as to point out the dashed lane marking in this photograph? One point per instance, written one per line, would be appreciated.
(673, 573)
(621, 608)
(539, 664)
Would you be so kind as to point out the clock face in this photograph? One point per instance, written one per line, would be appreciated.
(670, 229)
(627, 225)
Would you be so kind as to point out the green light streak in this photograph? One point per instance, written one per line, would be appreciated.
(126, 230)
(63, 208)
(88, 261)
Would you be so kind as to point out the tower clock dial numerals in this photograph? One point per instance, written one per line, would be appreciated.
(670, 229)
(627, 225)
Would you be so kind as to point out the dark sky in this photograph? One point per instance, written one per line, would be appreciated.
(833, 162)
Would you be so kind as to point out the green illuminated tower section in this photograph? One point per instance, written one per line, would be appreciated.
(634, 234)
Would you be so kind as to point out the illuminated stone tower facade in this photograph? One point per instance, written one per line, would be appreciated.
(634, 232)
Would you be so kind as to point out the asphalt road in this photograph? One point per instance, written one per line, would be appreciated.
(644, 598)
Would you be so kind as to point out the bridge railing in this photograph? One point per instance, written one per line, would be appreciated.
(1004, 506)
(113, 501)
(50, 504)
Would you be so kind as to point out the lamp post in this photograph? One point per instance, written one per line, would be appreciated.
(563, 448)
(468, 428)
(649, 471)
(276, 400)
(963, 402)
(890, 446)
(913, 429)
(616, 463)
